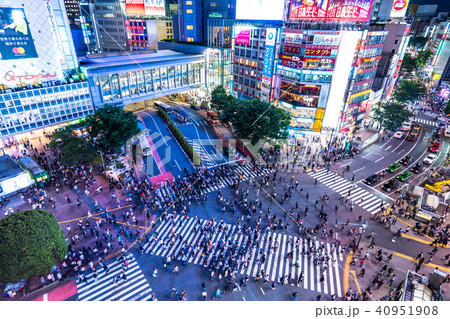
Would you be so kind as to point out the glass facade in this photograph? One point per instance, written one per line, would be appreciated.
(142, 83)
(29, 110)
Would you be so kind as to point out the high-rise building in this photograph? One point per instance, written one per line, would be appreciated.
(193, 16)
(40, 84)
(440, 46)
(109, 17)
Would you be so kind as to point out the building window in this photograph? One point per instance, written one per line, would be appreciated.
(189, 11)
(190, 27)
(189, 3)
(190, 39)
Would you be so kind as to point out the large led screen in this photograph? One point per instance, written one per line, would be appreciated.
(145, 7)
(259, 9)
(16, 41)
(332, 10)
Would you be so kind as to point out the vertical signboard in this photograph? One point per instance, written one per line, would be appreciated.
(399, 8)
(269, 51)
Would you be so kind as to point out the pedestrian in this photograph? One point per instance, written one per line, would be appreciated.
(218, 293)
(204, 295)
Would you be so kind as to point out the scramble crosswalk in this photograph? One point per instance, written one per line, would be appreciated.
(206, 159)
(246, 171)
(360, 196)
(275, 265)
(426, 122)
(135, 288)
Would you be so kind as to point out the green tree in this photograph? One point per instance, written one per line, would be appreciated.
(74, 149)
(391, 115)
(31, 243)
(422, 58)
(418, 42)
(408, 64)
(220, 100)
(255, 120)
(409, 91)
(447, 108)
(111, 126)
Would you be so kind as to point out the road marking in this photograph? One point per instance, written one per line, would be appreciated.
(368, 154)
(359, 169)
(388, 147)
(347, 270)
(401, 151)
(429, 264)
(379, 159)
(356, 280)
(262, 290)
(244, 298)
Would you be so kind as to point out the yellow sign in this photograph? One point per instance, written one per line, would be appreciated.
(360, 93)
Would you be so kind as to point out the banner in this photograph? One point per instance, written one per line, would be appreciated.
(399, 8)
(135, 7)
(331, 10)
(145, 7)
(242, 36)
(297, 62)
(16, 41)
(269, 52)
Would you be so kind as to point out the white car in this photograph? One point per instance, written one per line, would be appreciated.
(398, 135)
(406, 127)
(430, 159)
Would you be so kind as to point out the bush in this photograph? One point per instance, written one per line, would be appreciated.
(188, 149)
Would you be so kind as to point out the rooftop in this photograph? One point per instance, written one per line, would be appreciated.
(123, 59)
(9, 168)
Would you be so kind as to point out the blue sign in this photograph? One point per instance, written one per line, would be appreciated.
(269, 52)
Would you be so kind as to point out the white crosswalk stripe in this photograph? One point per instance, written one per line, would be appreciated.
(177, 233)
(247, 172)
(206, 159)
(135, 288)
(340, 185)
(426, 122)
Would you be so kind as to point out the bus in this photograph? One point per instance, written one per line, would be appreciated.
(447, 131)
(35, 171)
(167, 108)
(212, 117)
(146, 151)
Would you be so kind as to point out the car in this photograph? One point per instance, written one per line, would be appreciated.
(437, 136)
(430, 159)
(405, 127)
(389, 186)
(416, 168)
(435, 147)
(398, 135)
(195, 106)
(411, 137)
(372, 179)
(405, 160)
(394, 167)
(406, 175)
(415, 132)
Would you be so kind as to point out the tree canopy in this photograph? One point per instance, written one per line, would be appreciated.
(408, 64)
(409, 91)
(447, 108)
(255, 120)
(422, 58)
(418, 42)
(220, 100)
(29, 243)
(111, 126)
(391, 115)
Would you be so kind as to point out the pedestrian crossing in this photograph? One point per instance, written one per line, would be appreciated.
(360, 196)
(178, 234)
(426, 122)
(247, 172)
(206, 159)
(103, 288)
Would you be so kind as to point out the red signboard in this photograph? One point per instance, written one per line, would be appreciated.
(133, 7)
(296, 49)
(333, 10)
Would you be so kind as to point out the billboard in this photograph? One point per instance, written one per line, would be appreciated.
(399, 8)
(269, 51)
(242, 35)
(31, 29)
(259, 9)
(16, 41)
(331, 10)
(145, 7)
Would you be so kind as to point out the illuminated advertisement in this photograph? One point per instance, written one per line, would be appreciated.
(145, 7)
(134, 7)
(36, 58)
(335, 10)
(269, 52)
(297, 62)
(259, 9)
(16, 41)
(399, 8)
(317, 52)
(242, 36)
(308, 9)
(323, 38)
